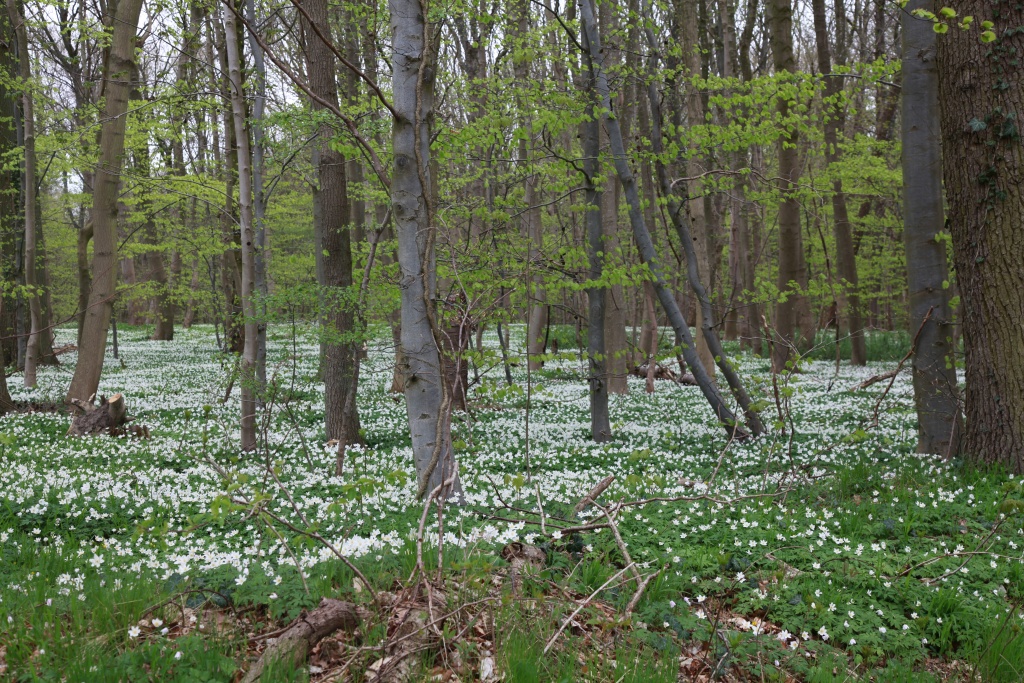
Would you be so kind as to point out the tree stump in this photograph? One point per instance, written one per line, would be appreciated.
(110, 416)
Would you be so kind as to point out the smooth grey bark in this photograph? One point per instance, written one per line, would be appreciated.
(600, 424)
(936, 396)
(93, 334)
(426, 397)
(641, 234)
(247, 365)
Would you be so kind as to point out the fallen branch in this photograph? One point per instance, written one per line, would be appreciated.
(292, 648)
(877, 378)
(591, 497)
(579, 608)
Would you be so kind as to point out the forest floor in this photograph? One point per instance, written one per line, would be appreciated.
(826, 551)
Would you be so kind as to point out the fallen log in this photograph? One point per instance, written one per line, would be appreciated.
(292, 647)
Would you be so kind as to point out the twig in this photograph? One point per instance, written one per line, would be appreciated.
(551, 641)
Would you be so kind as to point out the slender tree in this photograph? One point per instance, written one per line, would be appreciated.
(247, 365)
(123, 25)
(16, 15)
(600, 424)
(792, 267)
(641, 234)
(849, 304)
(981, 95)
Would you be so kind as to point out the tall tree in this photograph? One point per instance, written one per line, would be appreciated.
(792, 267)
(981, 95)
(849, 303)
(426, 397)
(122, 21)
(16, 16)
(641, 234)
(339, 346)
(590, 134)
(685, 22)
(935, 388)
(248, 361)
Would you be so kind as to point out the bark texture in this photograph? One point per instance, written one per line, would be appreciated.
(247, 364)
(291, 648)
(339, 348)
(936, 397)
(117, 73)
(981, 94)
(600, 424)
(426, 399)
(792, 267)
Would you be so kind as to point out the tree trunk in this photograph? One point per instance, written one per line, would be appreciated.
(686, 239)
(339, 346)
(426, 399)
(93, 337)
(792, 268)
(260, 288)
(849, 302)
(16, 17)
(981, 96)
(231, 257)
(936, 396)
(247, 366)
(685, 21)
(600, 424)
(642, 236)
(5, 396)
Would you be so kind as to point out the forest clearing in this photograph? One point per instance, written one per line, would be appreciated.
(357, 341)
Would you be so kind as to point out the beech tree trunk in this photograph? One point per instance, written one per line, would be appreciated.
(936, 396)
(338, 345)
(426, 398)
(247, 365)
(231, 257)
(117, 71)
(792, 267)
(981, 95)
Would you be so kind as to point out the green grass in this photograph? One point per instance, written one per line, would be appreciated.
(881, 346)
